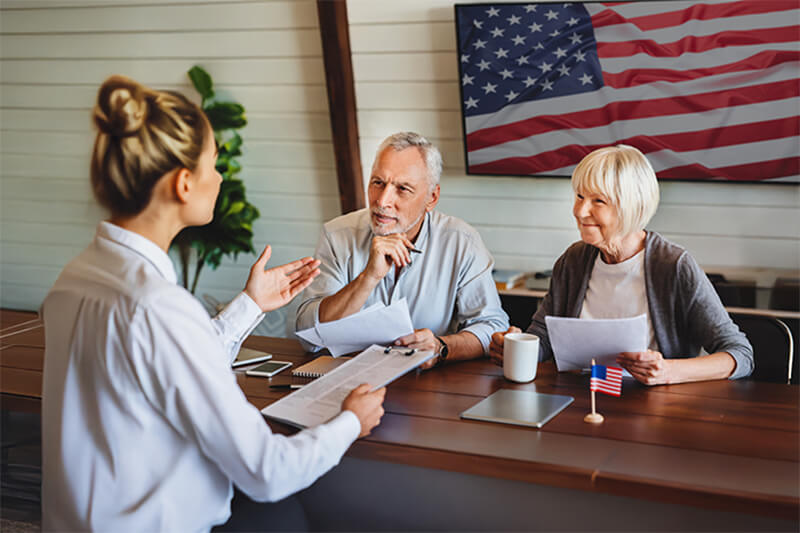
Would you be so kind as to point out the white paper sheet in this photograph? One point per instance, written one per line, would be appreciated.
(321, 400)
(576, 341)
(377, 324)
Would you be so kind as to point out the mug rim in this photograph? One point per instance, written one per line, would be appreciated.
(524, 337)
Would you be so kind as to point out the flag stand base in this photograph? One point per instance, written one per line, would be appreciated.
(593, 418)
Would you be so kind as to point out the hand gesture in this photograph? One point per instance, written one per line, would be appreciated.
(366, 405)
(648, 367)
(496, 346)
(387, 251)
(274, 288)
(421, 339)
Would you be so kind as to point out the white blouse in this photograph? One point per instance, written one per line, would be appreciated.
(143, 424)
(618, 291)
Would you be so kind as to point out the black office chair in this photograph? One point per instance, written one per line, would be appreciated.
(773, 346)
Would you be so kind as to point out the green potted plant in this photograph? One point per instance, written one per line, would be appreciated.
(231, 230)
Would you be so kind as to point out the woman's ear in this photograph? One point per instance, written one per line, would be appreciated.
(182, 185)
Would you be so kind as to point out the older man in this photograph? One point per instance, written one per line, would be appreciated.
(399, 247)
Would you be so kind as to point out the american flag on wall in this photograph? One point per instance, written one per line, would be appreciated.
(707, 90)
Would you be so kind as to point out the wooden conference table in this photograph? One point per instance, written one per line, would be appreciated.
(707, 455)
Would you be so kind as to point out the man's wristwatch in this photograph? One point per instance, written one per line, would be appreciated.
(443, 350)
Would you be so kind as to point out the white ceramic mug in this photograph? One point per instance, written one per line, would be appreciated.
(520, 356)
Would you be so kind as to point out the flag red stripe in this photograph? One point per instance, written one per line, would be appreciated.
(760, 170)
(617, 111)
(695, 12)
(697, 44)
(642, 76)
(680, 142)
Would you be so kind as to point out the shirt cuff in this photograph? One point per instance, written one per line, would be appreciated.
(347, 426)
(744, 365)
(483, 332)
(240, 316)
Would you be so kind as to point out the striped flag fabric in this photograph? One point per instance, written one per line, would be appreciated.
(706, 90)
(607, 380)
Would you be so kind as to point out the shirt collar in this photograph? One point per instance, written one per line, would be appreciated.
(141, 245)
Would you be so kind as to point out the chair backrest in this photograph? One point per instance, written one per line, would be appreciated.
(773, 346)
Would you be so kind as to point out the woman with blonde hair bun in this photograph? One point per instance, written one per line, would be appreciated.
(144, 426)
(621, 270)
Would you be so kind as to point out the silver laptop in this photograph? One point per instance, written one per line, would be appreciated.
(518, 407)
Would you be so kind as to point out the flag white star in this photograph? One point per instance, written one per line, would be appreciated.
(467, 80)
(535, 27)
(511, 95)
(547, 85)
(575, 38)
(493, 12)
(522, 60)
(530, 8)
(571, 22)
(585, 79)
(529, 81)
(489, 88)
(471, 102)
(539, 46)
(568, 4)
(564, 70)
(479, 44)
(518, 40)
(546, 67)
(501, 52)
(555, 33)
(551, 15)
(560, 52)
(580, 56)
(483, 65)
(513, 19)
(497, 32)
(464, 58)
(478, 24)
(507, 73)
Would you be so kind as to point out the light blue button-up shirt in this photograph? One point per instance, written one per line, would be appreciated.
(449, 286)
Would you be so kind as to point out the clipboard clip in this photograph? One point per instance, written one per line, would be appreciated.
(402, 350)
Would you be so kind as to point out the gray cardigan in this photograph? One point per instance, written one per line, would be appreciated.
(684, 308)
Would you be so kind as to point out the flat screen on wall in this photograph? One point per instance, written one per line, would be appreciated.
(707, 90)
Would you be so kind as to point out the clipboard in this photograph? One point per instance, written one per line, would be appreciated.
(518, 407)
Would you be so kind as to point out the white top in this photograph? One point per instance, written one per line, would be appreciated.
(449, 286)
(143, 424)
(618, 291)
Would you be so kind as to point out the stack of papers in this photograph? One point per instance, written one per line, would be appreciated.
(321, 400)
(377, 324)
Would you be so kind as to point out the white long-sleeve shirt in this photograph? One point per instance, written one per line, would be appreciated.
(143, 424)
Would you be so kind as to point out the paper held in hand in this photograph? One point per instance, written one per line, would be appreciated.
(575, 341)
(321, 400)
(377, 324)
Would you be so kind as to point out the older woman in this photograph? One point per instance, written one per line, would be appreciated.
(620, 270)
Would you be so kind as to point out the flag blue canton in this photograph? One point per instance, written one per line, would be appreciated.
(513, 53)
(599, 371)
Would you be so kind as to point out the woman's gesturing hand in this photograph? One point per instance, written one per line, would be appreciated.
(274, 288)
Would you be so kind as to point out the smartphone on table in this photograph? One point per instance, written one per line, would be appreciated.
(268, 369)
(248, 356)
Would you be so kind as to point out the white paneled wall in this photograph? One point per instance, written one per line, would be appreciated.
(54, 54)
(407, 78)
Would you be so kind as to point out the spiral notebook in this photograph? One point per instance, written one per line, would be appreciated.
(319, 366)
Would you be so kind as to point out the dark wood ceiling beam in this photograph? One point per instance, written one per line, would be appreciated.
(335, 32)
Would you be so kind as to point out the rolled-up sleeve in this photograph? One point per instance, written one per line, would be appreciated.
(236, 321)
(478, 308)
(330, 281)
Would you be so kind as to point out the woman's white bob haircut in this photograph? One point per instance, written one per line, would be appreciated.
(624, 176)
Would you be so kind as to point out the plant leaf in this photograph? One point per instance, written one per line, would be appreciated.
(202, 82)
(225, 115)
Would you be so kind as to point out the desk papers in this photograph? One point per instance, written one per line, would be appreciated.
(377, 324)
(321, 400)
(576, 341)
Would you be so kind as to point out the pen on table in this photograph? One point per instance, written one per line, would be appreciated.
(286, 386)
(415, 250)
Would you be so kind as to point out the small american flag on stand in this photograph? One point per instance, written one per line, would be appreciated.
(607, 380)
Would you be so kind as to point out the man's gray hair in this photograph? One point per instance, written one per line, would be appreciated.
(406, 139)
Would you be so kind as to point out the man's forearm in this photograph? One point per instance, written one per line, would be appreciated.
(463, 345)
(349, 300)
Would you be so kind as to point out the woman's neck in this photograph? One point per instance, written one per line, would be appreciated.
(627, 247)
(150, 226)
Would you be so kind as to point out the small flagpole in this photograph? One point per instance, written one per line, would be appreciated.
(594, 417)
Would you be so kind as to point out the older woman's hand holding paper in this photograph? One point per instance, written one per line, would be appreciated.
(619, 270)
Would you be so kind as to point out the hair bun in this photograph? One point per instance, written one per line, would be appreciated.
(121, 108)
